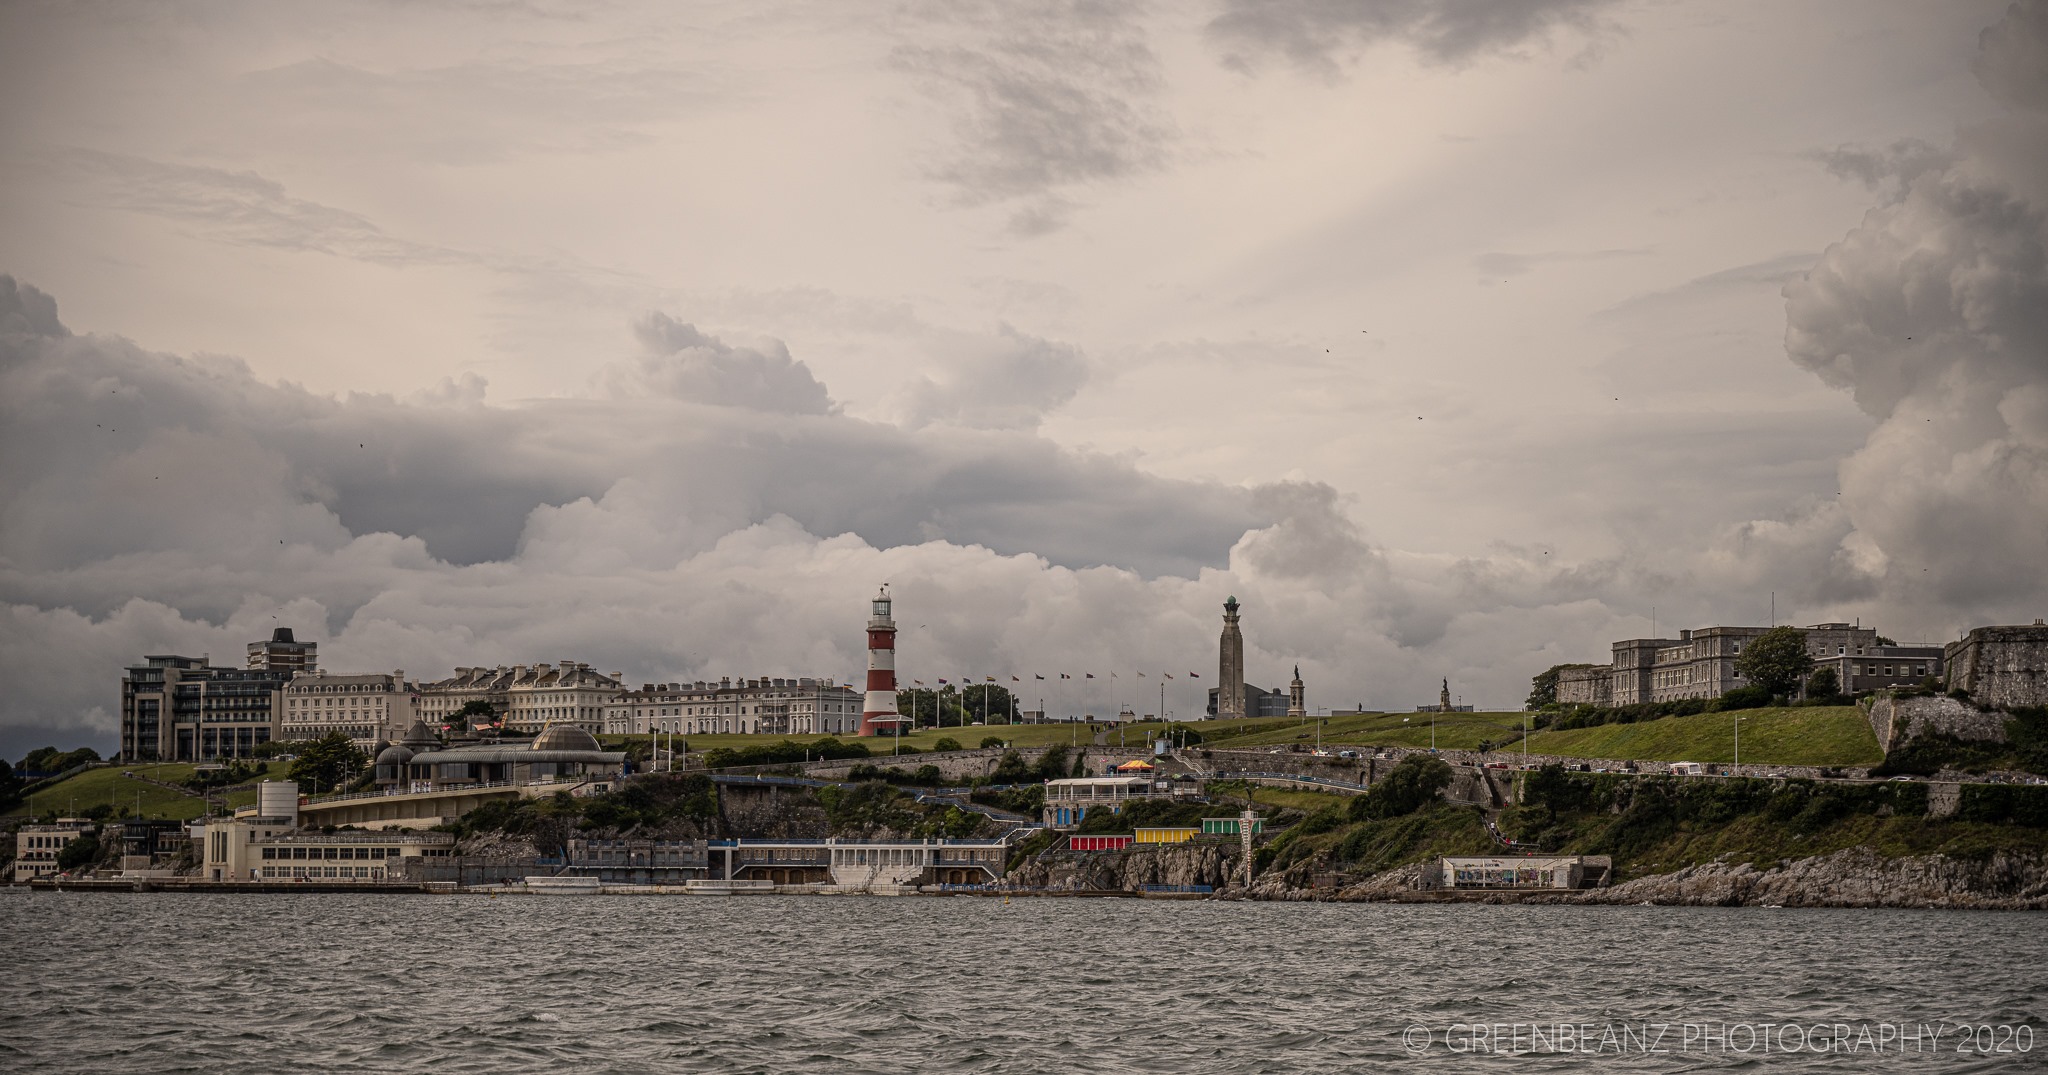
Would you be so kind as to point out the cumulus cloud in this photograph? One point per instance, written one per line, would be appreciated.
(682, 363)
(1007, 381)
(1933, 314)
(1315, 35)
(168, 504)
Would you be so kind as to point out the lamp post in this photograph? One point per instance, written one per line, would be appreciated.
(1738, 746)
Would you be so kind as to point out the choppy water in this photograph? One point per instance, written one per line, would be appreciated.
(222, 983)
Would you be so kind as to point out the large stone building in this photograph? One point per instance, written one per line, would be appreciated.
(366, 708)
(765, 706)
(2004, 666)
(1701, 664)
(1258, 702)
(186, 709)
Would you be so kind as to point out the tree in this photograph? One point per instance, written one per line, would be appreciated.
(1823, 684)
(948, 743)
(931, 708)
(1776, 660)
(1406, 788)
(83, 850)
(474, 713)
(991, 742)
(328, 763)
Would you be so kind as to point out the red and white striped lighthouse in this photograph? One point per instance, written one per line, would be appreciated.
(878, 710)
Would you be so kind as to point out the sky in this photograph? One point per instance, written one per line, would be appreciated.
(1455, 339)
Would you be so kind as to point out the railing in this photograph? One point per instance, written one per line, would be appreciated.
(1183, 889)
(431, 789)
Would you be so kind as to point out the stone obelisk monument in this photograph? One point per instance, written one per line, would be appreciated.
(1230, 667)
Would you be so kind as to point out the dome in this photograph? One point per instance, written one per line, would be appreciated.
(394, 755)
(564, 737)
(419, 736)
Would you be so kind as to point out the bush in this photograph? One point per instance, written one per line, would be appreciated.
(2005, 804)
(991, 742)
(1406, 788)
(947, 743)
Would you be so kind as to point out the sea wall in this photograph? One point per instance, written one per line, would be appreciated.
(1856, 877)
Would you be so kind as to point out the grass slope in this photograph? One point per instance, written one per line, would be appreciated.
(1022, 735)
(1837, 735)
(108, 787)
(1454, 731)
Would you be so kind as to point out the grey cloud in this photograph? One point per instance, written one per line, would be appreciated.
(1052, 96)
(2012, 57)
(1009, 381)
(1889, 168)
(1933, 313)
(683, 363)
(238, 207)
(1315, 35)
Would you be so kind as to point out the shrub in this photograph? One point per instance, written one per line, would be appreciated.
(948, 743)
(991, 742)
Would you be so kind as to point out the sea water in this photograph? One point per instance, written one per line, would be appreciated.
(380, 983)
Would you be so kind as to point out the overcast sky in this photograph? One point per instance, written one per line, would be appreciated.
(1453, 338)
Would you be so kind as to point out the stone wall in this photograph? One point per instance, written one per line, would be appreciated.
(2002, 666)
(1898, 720)
(1586, 685)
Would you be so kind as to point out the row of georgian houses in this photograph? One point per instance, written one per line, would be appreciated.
(176, 708)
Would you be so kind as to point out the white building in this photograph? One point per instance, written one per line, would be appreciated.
(36, 847)
(768, 706)
(569, 694)
(367, 708)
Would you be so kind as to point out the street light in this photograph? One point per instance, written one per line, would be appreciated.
(1738, 745)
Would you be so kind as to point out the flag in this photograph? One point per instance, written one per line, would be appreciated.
(991, 679)
(942, 680)
(1141, 675)
(1112, 675)
(1014, 679)
(1035, 675)
(1168, 675)
(1090, 675)
(919, 682)
(1063, 675)
(1194, 675)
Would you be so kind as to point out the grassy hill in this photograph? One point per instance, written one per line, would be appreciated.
(1837, 735)
(1022, 735)
(108, 787)
(1830, 735)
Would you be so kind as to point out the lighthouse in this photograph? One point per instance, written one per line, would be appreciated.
(878, 711)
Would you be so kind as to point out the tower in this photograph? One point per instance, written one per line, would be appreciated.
(1230, 667)
(1295, 697)
(878, 709)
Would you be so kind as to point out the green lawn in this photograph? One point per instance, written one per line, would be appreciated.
(107, 786)
(1454, 731)
(1022, 735)
(1831, 735)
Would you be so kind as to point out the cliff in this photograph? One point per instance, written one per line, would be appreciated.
(1855, 877)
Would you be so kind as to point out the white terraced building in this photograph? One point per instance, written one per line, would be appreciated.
(569, 694)
(765, 706)
(367, 708)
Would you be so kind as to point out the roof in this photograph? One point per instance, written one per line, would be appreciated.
(496, 754)
(564, 737)
(1109, 781)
